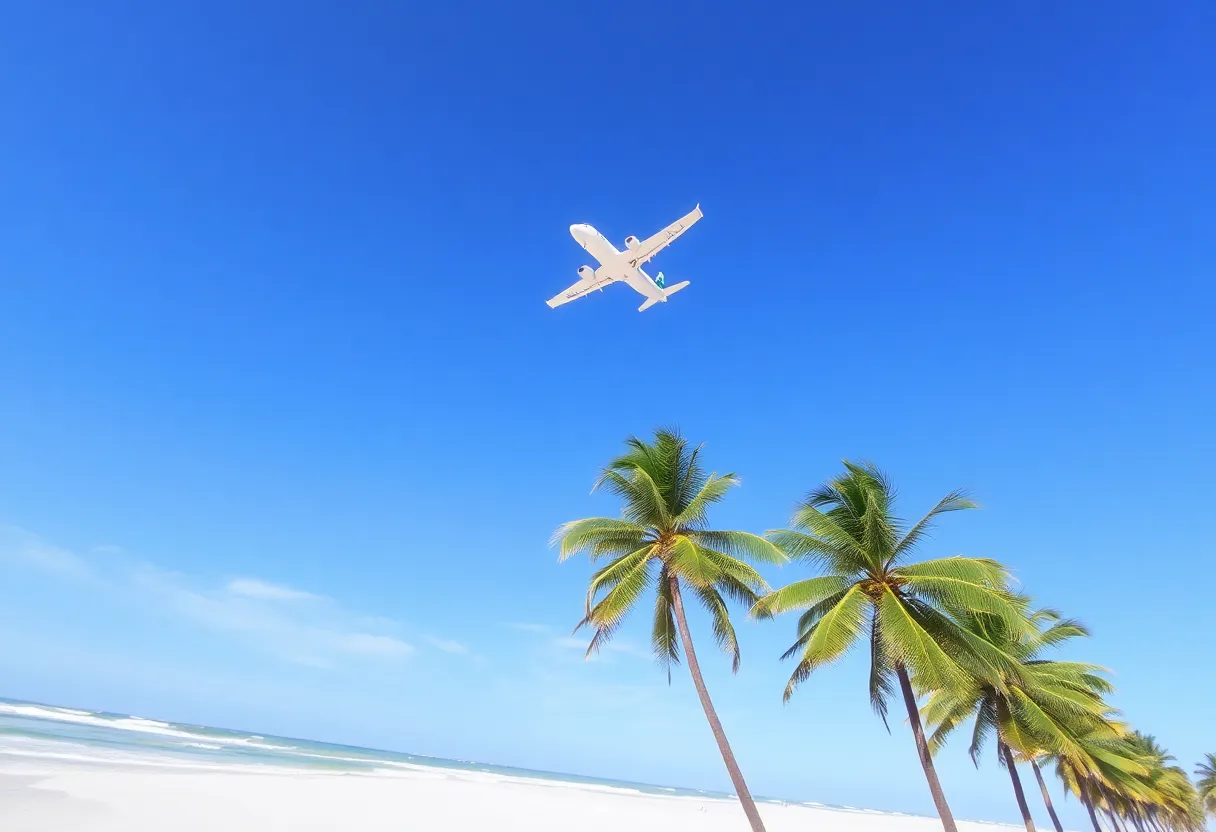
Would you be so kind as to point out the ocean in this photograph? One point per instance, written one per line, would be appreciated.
(31, 732)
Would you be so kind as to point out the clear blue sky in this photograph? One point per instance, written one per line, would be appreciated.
(286, 424)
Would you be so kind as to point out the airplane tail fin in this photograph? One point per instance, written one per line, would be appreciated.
(666, 294)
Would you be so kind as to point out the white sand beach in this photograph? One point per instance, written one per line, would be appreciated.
(100, 798)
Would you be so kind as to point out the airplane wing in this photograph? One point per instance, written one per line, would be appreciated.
(579, 289)
(653, 245)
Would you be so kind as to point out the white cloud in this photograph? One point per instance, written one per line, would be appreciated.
(253, 588)
(526, 628)
(447, 645)
(368, 644)
(614, 646)
(23, 547)
(295, 625)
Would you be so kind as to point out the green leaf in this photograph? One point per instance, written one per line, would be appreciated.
(611, 610)
(594, 532)
(831, 636)
(977, 657)
(724, 630)
(690, 562)
(966, 596)
(743, 545)
(954, 501)
(840, 546)
(810, 549)
(664, 636)
(615, 572)
(644, 503)
(983, 571)
(713, 491)
(799, 595)
(908, 644)
(881, 684)
(878, 532)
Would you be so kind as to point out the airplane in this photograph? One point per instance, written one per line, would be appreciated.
(617, 266)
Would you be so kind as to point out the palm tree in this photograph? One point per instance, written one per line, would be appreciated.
(1167, 789)
(1106, 762)
(1128, 777)
(849, 529)
(1206, 772)
(663, 529)
(1032, 708)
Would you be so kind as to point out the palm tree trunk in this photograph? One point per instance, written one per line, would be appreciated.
(728, 756)
(1089, 806)
(1051, 810)
(922, 749)
(1011, 764)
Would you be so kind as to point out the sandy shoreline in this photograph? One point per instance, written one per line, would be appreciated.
(102, 798)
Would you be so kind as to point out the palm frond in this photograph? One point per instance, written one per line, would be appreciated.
(878, 531)
(643, 501)
(838, 542)
(692, 563)
(724, 630)
(608, 613)
(615, 572)
(808, 548)
(799, 595)
(691, 479)
(663, 635)
(881, 685)
(747, 583)
(977, 657)
(986, 718)
(1062, 631)
(909, 644)
(969, 597)
(714, 490)
(828, 639)
(946, 710)
(954, 501)
(598, 535)
(983, 571)
(742, 545)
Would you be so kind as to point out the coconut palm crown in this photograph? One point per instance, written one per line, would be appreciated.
(663, 542)
(1206, 784)
(872, 591)
(1035, 711)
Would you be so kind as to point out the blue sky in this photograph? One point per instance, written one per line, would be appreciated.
(286, 424)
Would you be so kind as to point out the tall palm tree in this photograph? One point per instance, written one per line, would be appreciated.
(663, 542)
(1032, 707)
(1206, 772)
(848, 528)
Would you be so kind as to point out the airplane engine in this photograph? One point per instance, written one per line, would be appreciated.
(586, 272)
(632, 242)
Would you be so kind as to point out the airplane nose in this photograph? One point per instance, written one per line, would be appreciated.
(577, 230)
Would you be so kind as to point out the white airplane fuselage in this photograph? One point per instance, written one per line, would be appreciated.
(613, 264)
